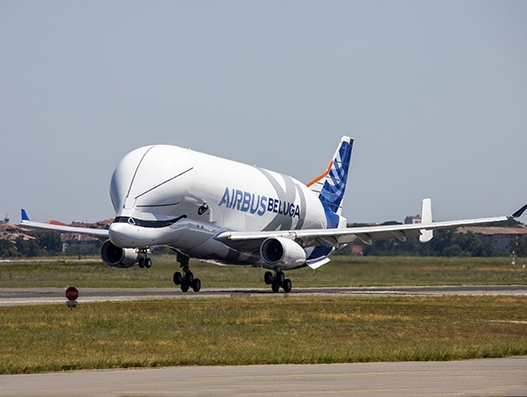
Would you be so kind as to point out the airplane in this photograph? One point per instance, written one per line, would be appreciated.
(228, 213)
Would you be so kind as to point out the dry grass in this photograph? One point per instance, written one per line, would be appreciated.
(242, 331)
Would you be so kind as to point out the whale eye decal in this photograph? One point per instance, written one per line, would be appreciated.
(204, 207)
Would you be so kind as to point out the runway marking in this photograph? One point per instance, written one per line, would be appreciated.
(507, 321)
(339, 391)
(39, 296)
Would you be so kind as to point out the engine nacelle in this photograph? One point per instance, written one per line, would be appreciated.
(283, 252)
(118, 257)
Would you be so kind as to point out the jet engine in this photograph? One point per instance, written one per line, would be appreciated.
(118, 257)
(283, 252)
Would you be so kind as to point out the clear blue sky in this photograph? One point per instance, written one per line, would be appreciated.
(434, 93)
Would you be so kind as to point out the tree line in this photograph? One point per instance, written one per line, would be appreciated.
(44, 243)
(446, 242)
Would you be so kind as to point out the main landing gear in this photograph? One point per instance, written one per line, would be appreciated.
(277, 281)
(186, 280)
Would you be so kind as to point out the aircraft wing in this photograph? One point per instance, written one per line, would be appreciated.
(99, 233)
(336, 237)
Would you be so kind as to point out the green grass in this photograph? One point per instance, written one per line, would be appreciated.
(262, 330)
(257, 330)
(341, 272)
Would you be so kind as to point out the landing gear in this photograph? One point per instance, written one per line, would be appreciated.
(196, 284)
(277, 281)
(186, 280)
(287, 285)
(268, 278)
(145, 262)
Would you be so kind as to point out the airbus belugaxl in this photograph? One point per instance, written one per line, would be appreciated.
(228, 213)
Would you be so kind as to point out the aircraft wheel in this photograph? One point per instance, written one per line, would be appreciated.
(189, 277)
(148, 263)
(141, 262)
(178, 278)
(184, 285)
(268, 278)
(287, 285)
(275, 286)
(280, 277)
(196, 284)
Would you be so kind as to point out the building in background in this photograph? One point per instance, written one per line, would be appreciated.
(500, 237)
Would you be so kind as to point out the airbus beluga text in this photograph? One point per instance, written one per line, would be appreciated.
(221, 211)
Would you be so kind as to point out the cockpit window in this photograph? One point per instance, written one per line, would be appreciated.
(143, 223)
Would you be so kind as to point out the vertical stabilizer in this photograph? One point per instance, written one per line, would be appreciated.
(331, 185)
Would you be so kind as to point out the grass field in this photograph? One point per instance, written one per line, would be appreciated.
(341, 272)
(243, 331)
(262, 330)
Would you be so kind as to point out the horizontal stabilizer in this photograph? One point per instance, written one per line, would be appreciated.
(315, 264)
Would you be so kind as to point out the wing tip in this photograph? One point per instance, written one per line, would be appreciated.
(520, 212)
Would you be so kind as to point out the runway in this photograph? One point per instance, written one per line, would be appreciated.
(36, 296)
(483, 377)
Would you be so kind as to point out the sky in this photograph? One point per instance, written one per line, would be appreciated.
(433, 92)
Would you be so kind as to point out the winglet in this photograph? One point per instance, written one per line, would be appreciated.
(519, 213)
(25, 217)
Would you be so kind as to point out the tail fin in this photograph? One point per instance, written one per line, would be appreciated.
(331, 185)
(24, 215)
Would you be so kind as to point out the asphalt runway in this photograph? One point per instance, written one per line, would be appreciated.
(484, 377)
(35, 296)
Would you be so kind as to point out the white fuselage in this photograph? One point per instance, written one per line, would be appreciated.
(166, 195)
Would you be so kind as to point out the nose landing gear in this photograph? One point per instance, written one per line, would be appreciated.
(277, 281)
(145, 262)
